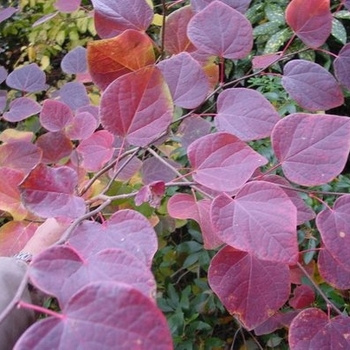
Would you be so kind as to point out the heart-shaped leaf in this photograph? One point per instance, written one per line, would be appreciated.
(237, 114)
(221, 31)
(250, 288)
(145, 327)
(342, 66)
(75, 61)
(311, 85)
(260, 220)
(21, 108)
(50, 192)
(303, 296)
(55, 115)
(312, 329)
(222, 161)
(305, 146)
(74, 95)
(67, 6)
(141, 114)
(239, 5)
(310, 20)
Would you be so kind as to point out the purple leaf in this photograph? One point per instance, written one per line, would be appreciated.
(312, 149)
(6, 13)
(82, 126)
(126, 229)
(222, 161)
(96, 150)
(186, 79)
(129, 170)
(50, 192)
(55, 115)
(334, 227)
(248, 287)
(44, 19)
(55, 146)
(347, 4)
(342, 66)
(192, 129)
(20, 155)
(237, 114)
(221, 31)
(263, 61)
(261, 220)
(67, 6)
(129, 318)
(3, 74)
(239, 5)
(112, 17)
(74, 95)
(154, 170)
(73, 271)
(311, 85)
(21, 108)
(141, 114)
(29, 78)
(3, 99)
(75, 61)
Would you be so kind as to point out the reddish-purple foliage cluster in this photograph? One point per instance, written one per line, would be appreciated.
(101, 276)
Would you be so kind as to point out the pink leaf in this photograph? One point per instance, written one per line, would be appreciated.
(250, 288)
(55, 146)
(260, 220)
(112, 17)
(75, 61)
(151, 194)
(126, 229)
(50, 192)
(129, 318)
(154, 170)
(96, 150)
(221, 31)
(20, 155)
(186, 79)
(67, 6)
(263, 61)
(72, 271)
(55, 115)
(21, 108)
(334, 227)
(303, 296)
(311, 21)
(237, 114)
(141, 114)
(342, 66)
(311, 85)
(29, 78)
(239, 5)
(222, 161)
(304, 144)
(312, 329)
(82, 126)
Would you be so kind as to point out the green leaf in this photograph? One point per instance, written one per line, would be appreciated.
(338, 31)
(277, 40)
(275, 13)
(268, 28)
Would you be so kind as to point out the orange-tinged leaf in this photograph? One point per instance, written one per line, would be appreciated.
(109, 59)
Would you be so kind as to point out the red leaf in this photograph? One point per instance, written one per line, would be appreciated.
(186, 79)
(334, 227)
(263, 61)
(237, 115)
(305, 146)
(55, 115)
(303, 296)
(222, 161)
(55, 146)
(152, 194)
(19, 155)
(311, 85)
(14, 235)
(175, 36)
(239, 5)
(250, 288)
(126, 229)
(312, 329)
(73, 271)
(21, 108)
(310, 20)
(50, 192)
(141, 114)
(332, 271)
(111, 58)
(112, 17)
(129, 318)
(96, 150)
(221, 31)
(342, 66)
(260, 220)
(277, 321)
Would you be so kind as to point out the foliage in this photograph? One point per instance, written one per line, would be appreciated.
(196, 145)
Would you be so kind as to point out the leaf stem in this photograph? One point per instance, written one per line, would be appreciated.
(40, 309)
